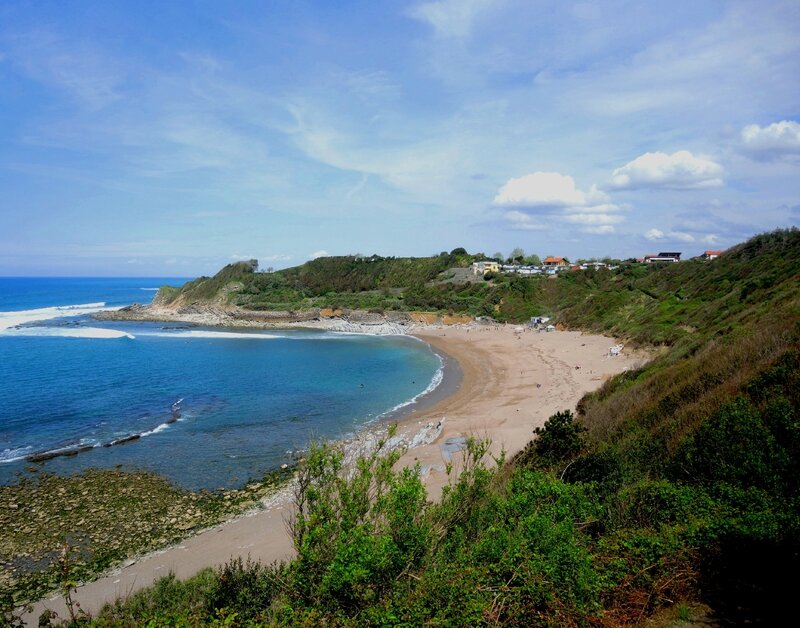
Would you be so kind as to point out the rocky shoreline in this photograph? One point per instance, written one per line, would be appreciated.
(115, 518)
(107, 516)
(379, 323)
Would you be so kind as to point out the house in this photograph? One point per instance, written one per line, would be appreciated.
(555, 262)
(711, 255)
(488, 266)
(663, 257)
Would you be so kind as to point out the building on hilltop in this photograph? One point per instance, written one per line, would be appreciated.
(481, 268)
(668, 256)
(555, 262)
(711, 254)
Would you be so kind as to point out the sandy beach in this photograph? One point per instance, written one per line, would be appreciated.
(512, 380)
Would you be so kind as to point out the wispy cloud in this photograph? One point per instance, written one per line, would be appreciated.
(78, 68)
(477, 119)
(450, 18)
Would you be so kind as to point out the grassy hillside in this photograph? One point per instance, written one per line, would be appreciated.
(674, 488)
(348, 281)
(649, 304)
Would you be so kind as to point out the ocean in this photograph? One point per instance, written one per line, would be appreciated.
(205, 407)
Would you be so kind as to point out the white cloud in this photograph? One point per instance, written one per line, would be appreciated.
(681, 236)
(680, 170)
(711, 238)
(520, 221)
(546, 189)
(657, 235)
(318, 254)
(556, 196)
(450, 18)
(238, 257)
(776, 140)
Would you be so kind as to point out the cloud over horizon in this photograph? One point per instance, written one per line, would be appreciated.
(554, 197)
(779, 139)
(681, 170)
(546, 189)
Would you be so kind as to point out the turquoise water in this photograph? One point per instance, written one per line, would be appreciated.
(210, 408)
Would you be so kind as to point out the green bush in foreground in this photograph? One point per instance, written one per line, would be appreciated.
(503, 545)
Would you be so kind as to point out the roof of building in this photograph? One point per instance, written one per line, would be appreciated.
(552, 259)
(713, 253)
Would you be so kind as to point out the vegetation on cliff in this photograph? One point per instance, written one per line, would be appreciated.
(647, 303)
(674, 485)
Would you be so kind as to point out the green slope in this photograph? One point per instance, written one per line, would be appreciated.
(675, 485)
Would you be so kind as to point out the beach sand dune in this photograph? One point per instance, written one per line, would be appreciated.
(512, 381)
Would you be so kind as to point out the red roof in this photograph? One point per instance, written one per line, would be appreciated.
(713, 253)
(548, 260)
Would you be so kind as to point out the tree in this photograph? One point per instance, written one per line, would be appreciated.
(517, 255)
(559, 440)
(533, 260)
(498, 256)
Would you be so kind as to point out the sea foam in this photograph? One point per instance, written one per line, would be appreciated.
(21, 317)
(437, 378)
(69, 332)
(14, 454)
(212, 334)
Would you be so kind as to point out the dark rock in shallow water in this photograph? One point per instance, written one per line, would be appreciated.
(49, 455)
(124, 439)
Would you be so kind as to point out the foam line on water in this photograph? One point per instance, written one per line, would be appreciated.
(212, 334)
(21, 317)
(69, 332)
(437, 378)
(156, 430)
(17, 453)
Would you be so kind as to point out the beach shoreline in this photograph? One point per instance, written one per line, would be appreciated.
(503, 382)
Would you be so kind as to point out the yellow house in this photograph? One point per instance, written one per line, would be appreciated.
(481, 268)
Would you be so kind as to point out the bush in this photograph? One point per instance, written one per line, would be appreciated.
(559, 441)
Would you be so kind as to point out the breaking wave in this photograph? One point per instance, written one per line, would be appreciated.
(21, 317)
(213, 334)
(70, 332)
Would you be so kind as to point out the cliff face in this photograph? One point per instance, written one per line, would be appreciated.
(217, 291)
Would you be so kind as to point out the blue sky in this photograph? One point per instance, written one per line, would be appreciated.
(170, 138)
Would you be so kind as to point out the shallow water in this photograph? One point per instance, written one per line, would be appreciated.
(211, 408)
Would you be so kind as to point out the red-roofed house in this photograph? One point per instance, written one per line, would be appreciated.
(555, 262)
(711, 254)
